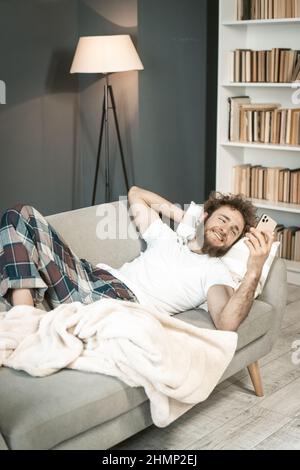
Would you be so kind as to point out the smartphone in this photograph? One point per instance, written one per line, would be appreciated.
(266, 224)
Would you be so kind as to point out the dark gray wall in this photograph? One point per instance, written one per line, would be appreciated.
(211, 95)
(50, 125)
(37, 125)
(167, 119)
(172, 41)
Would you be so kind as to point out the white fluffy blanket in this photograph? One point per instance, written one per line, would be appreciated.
(177, 364)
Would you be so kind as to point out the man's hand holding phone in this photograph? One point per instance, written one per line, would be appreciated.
(259, 241)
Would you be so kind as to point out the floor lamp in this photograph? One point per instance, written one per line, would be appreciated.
(106, 55)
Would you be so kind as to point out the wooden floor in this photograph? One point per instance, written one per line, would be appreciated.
(233, 417)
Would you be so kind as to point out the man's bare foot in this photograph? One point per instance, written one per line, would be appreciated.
(22, 297)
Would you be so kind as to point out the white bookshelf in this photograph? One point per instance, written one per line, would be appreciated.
(261, 85)
(256, 35)
(286, 148)
(277, 206)
(284, 21)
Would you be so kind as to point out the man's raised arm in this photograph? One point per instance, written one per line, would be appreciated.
(145, 207)
(228, 308)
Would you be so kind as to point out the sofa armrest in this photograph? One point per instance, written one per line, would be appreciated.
(275, 294)
(2, 307)
(3, 445)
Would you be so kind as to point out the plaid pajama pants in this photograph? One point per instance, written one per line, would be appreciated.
(34, 256)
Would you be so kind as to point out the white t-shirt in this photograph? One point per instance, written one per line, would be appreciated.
(167, 275)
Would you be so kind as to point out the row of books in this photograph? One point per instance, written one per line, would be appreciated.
(265, 123)
(267, 9)
(289, 238)
(278, 65)
(276, 184)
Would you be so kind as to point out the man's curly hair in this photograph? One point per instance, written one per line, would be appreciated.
(236, 201)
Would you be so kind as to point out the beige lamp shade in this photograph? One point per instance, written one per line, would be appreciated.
(105, 54)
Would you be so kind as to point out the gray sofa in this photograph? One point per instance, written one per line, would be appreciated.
(76, 410)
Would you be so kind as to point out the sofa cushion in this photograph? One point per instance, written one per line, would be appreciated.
(256, 324)
(86, 232)
(40, 413)
(3, 307)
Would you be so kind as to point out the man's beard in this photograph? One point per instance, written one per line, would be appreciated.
(213, 251)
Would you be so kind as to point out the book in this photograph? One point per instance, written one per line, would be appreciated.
(297, 246)
(275, 184)
(267, 9)
(234, 116)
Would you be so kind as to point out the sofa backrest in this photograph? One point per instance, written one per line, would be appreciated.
(100, 234)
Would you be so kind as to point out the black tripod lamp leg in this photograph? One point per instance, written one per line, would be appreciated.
(119, 136)
(98, 154)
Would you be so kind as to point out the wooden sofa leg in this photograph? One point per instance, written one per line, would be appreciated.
(255, 376)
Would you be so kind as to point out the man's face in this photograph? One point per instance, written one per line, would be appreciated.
(222, 230)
